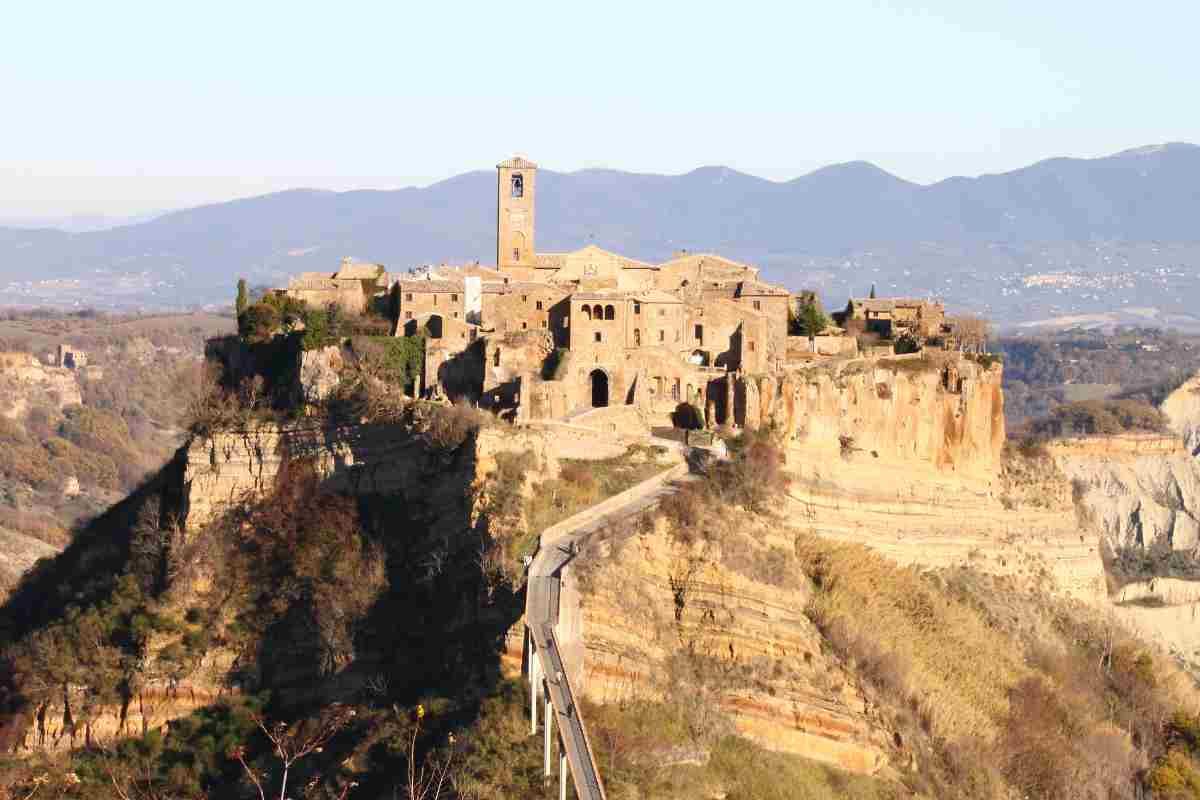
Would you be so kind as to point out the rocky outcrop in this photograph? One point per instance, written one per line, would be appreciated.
(377, 458)
(1182, 408)
(25, 382)
(320, 373)
(947, 411)
(1144, 502)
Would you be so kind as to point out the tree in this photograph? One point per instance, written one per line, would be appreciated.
(243, 297)
(972, 332)
(872, 291)
(808, 320)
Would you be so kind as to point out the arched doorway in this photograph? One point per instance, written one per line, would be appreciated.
(433, 326)
(599, 388)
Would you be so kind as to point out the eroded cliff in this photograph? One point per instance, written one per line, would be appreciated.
(942, 409)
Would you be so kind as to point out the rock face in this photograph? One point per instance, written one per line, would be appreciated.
(950, 413)
(1182, 408)
(1140, 500)
(320, 372)
(367, 459)
(25, 382)
(209, 474)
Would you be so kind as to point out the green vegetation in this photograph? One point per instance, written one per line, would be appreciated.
(1102, 418)
(1133, 363)
(512, 505)
(807, 320)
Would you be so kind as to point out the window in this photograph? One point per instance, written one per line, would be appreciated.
(453, 298)
(662, 336)
(496, 358)
(516, 254)
(597, 335)
(524, 298)
(408, 297)
(757, 305)
(408, 315)
(700, 334)
(524, 326)
(456, 315)
(539, 305)
(662, 312)
(518, 186)
(587, 312)
(544, 323)
(752, 347)
(435, 299)
(637, 338)
(610, 312)
(637, 308)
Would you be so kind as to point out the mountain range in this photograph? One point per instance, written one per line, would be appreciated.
(1035, 242)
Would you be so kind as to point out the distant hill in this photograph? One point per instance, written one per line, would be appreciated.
(837, 229)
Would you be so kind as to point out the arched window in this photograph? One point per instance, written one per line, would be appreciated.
(637, 337)
(597, 312)
(518, 185)
(587, 312)
(610, 312)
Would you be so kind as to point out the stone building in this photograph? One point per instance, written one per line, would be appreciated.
(553, 335)
(352, 287)
(68, 357)
(895, 316)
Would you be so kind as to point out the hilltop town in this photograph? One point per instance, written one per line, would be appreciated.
(668, 522)
(551, 336)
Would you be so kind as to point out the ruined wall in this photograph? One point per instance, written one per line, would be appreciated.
(949, 412)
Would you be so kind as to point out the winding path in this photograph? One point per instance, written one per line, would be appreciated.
(545, 665)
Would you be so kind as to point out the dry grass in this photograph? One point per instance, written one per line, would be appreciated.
(937, 652)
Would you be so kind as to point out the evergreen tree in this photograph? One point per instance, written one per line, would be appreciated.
(243, 297)
(872, 291)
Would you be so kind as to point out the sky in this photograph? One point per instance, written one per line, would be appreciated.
(127, 108)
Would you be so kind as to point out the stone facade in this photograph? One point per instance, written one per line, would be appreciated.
(895, 316)
(352, 287)
(552, 335)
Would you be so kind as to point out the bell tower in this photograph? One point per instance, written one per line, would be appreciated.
(516, 186)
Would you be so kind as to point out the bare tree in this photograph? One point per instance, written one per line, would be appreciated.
(292, 743)
(972, 332)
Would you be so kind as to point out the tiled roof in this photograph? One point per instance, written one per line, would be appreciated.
(492, 287)
(604, 294)
(516, 162)
(360, 271)
(655, 296)
(888, 303)
(550, 260)
(760, 289)
(434, 287)
(707, 260)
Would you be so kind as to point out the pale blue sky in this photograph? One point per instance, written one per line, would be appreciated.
(125, 107)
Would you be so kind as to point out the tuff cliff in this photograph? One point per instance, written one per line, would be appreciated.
(411, 548)
(937, 408)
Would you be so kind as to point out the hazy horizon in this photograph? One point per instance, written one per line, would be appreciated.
(143, 108)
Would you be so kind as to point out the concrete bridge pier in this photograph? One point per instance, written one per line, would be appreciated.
(534, 680)
(548, 726)
(562, 771)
